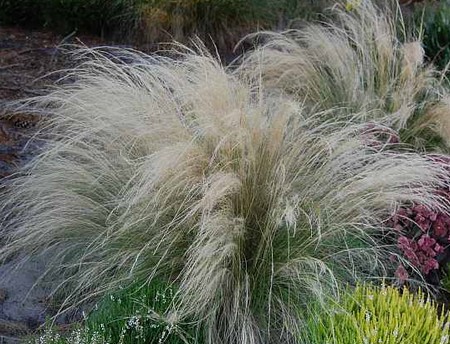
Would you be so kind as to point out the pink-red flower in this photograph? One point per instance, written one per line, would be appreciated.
(423, 234)
(401, 273)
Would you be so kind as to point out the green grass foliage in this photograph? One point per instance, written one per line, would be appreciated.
(372, 315)
(137, 314)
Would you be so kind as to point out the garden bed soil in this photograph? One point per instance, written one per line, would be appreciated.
(29, 61)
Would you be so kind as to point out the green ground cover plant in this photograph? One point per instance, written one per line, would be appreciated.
(136, 314)
(372, 315)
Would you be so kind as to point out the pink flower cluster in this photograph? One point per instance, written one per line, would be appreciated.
(422, 235)
(421, 253)
(419, 217)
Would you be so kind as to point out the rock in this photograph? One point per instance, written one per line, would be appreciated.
(9, 340)
(3, 295)
(18, 277)
(13, 328)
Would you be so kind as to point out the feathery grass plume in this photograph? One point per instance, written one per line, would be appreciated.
(179, 169)
(439, 117)
(361, 61)
(429, 130)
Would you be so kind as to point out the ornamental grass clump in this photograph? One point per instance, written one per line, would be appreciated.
(362, 61)
(372, 315)
(178, 169)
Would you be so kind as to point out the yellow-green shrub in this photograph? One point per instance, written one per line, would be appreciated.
(385, 315)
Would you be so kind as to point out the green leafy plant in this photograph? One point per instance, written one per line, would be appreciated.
(434, 18)
(373, 315)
